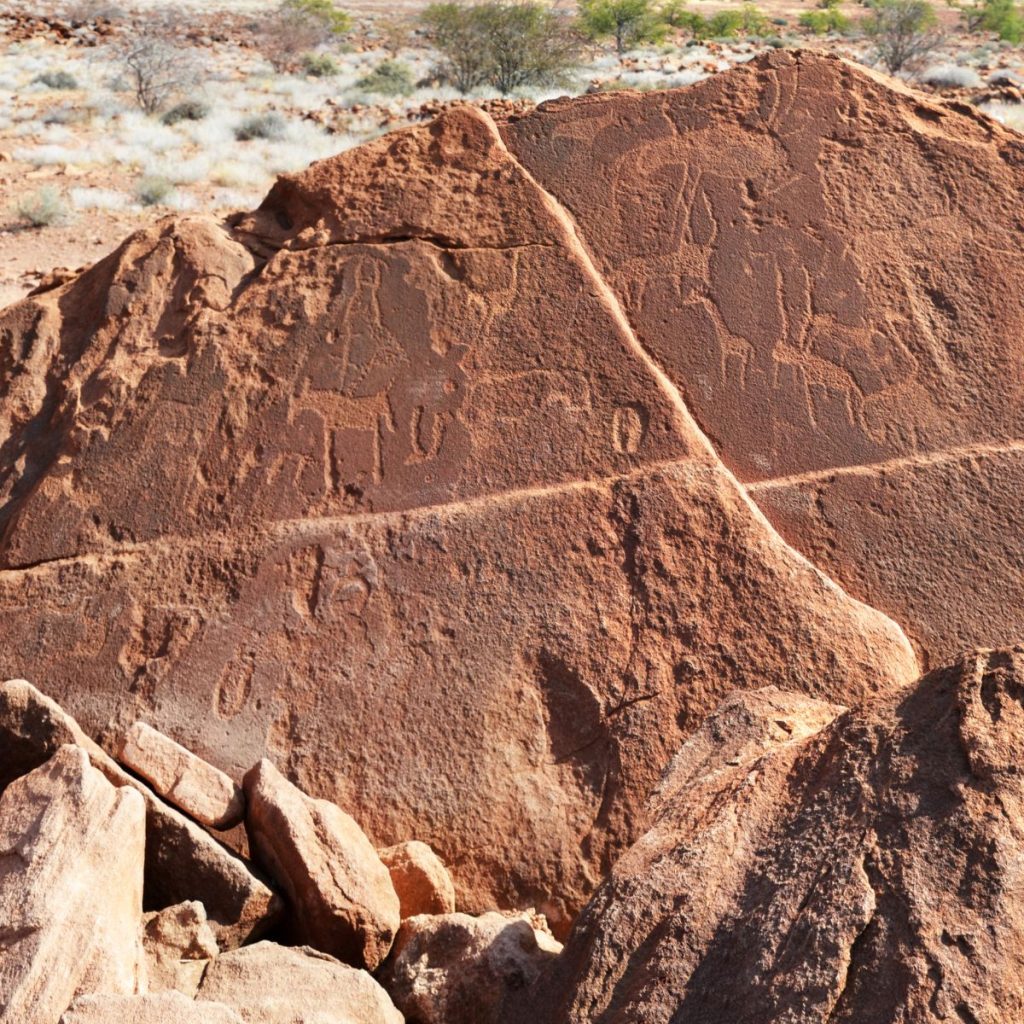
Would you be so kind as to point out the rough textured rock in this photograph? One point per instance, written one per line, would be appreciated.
(182, 860)
(418, 430)
(270, 984)
(161, 1008)
(179, 943)
(457, 969)
(340, 896)
(420, 879)
(187, 781)
(813, 317)
(868, 871)
(71, 852)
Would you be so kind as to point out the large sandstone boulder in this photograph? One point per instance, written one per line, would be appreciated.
(381, 483)
(270, 984)
(183, 861)
(71, 861)
(420, 878)
(340, 896)
(867, 870)
(849, 344)
(457, 969)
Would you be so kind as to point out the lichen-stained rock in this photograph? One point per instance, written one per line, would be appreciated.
(179, 776)
(179, 944)
(867, 871)
(183, 861)
(420, 879)
(419, 470)
(71, 852)
(340, 896)
(158, 1008)
(457, 969)
(814, 320)
(271, 984)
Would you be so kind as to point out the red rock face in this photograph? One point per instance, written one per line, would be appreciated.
(830, 272)
(380, 483)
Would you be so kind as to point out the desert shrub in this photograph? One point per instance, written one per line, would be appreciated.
(626, 22)
(157, 69)
(395, 34)
(42, 208)
(297, 27)
(268, 125)
(153, 191)
(389, 78)
(746, 20)
(951, 76)
(825, 20)
(57, 80)
(1003, 17)
(507, 45)
(320, 65)
(187, 110)
(904, 32)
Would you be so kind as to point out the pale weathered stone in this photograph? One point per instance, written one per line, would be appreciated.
(871, 870)
(270, 984)
(159, 1008)
(180, 777)
(179, 943)
(457, 969)
(183, 861)
(340, 896)
(420, 879)
(71, 860)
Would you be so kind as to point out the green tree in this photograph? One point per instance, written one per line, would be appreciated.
(903, 31)
(508, 45)
(627, 22)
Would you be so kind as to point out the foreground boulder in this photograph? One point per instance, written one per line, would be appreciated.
(71, 866)
(420, 878)
(187, 781)
(268, 984)
(183, 861)
(457, 969)
(162, 1008)
(866, 871)
(397, 412)
(340, 896)
(851, 350)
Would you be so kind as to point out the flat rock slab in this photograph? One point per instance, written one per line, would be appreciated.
(71, 868)
(161, 1008)
(180, 777)
(270, 984)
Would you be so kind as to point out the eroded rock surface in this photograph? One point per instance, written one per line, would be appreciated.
(161, 1008)
(71, 868)
(864, 870)
(815, 318)
(397, 413)
(420, 879)
(179, 944)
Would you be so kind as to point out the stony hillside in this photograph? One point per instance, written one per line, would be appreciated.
(483, 482)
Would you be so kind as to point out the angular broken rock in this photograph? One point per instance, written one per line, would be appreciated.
(179, 943)
(340, 896)
(179, 776)
(457, 969)
(425, 434)
(850, 350)
(71, 853)
(182, 860)
(420, 879)
(271, 984)
(870, 871)
(158, 1008)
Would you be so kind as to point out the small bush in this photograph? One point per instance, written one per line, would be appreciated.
(269, 125)
(627, 22)
(43, 208)
(825, 20)
(320, 65)
(389, 78)
(951, 76)
(158, 69)
(153, 191)
(904, 32)
(57, 80)
(298, 27)
(189, 110)
(1003, 17)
